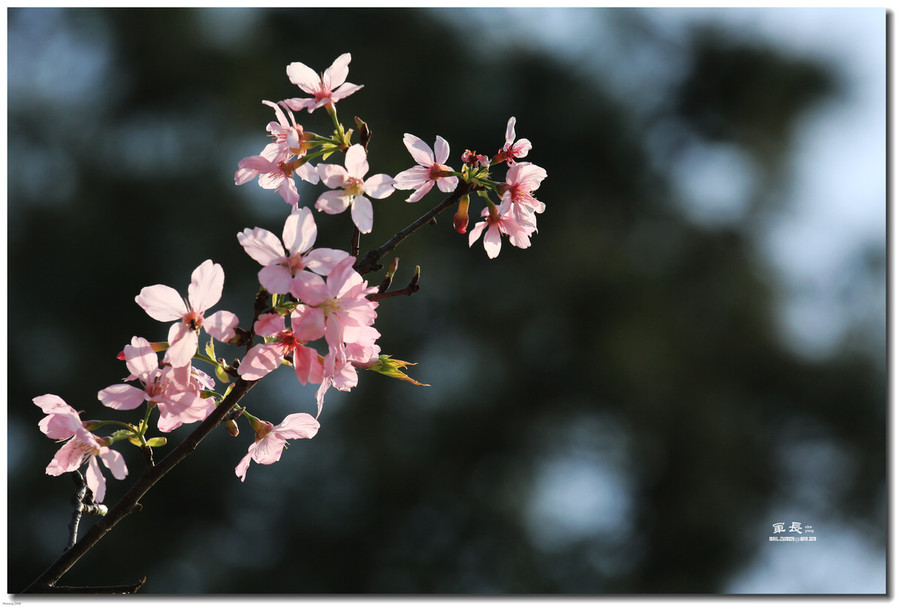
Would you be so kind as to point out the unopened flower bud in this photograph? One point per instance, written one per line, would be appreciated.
(365, 133)
(261, 428)
(461, 217)
(232, 428)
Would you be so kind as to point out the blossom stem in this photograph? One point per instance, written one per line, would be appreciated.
(46, 582)
(369, 263)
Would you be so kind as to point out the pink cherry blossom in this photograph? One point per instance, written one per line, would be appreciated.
(63, 422)
(276, 175)
(270, 439)
(286, 344)
(187, 410)
(335, 303)
(163, 303)
(326, 89)
(350, 189)
(280, 271)
(274, 165)
(522, 180)
(176, 392)
(497, 223)
(339, 366)
(430, 170)
(511, 151)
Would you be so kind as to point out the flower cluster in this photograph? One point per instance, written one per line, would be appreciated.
(315, 311)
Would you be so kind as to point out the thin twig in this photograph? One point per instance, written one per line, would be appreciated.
(369, 263)
(411, 288)
(354, 242)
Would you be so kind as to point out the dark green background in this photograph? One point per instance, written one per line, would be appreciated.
(627, 368)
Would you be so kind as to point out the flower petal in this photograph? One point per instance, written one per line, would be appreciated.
(241, 469)
(122, 396)
(419, 150)
(412, 178)
(361, 212)
(260, 360)
(300, 231)
(380, 186)
(336, 74)
(288, 191)
(307, 365)
(309, 288)
(298, 426)
(206, 285)
(323, 259)
(67, 458)
(345, 90)
(182, 345)
(268, 449)
(304, 77)
(492, 241)
(261, 245)
(420, 192)
(441, 150)
(114, 462)
(140, 358)
(161, 302)
(53, 404)
(333, 202)
(220, 325)
(268, 324)
(510, 130)
(356, 162)
(308, 323)
(95, 480)
(276, 279)
(333, 176)
(447, 184)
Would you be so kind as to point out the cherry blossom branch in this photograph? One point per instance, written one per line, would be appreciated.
(46, 582)
(369, 263)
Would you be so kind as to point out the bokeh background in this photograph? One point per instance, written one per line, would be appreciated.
(692, 350)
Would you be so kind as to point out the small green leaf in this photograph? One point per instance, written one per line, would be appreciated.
(221, 375)
(391, 368)
(156, 442)
(211, 350)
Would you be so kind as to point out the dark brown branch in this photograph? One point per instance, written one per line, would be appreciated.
(78, 508)
(46, 582)
(369, 263)
(354, 242)
(410, 289)
(389, 276)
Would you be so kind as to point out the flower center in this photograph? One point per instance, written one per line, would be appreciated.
(436, 172)
(354, 187)
(330, 306)
(192, 319)
(288, 341)
(287, 168)
(294, 264)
